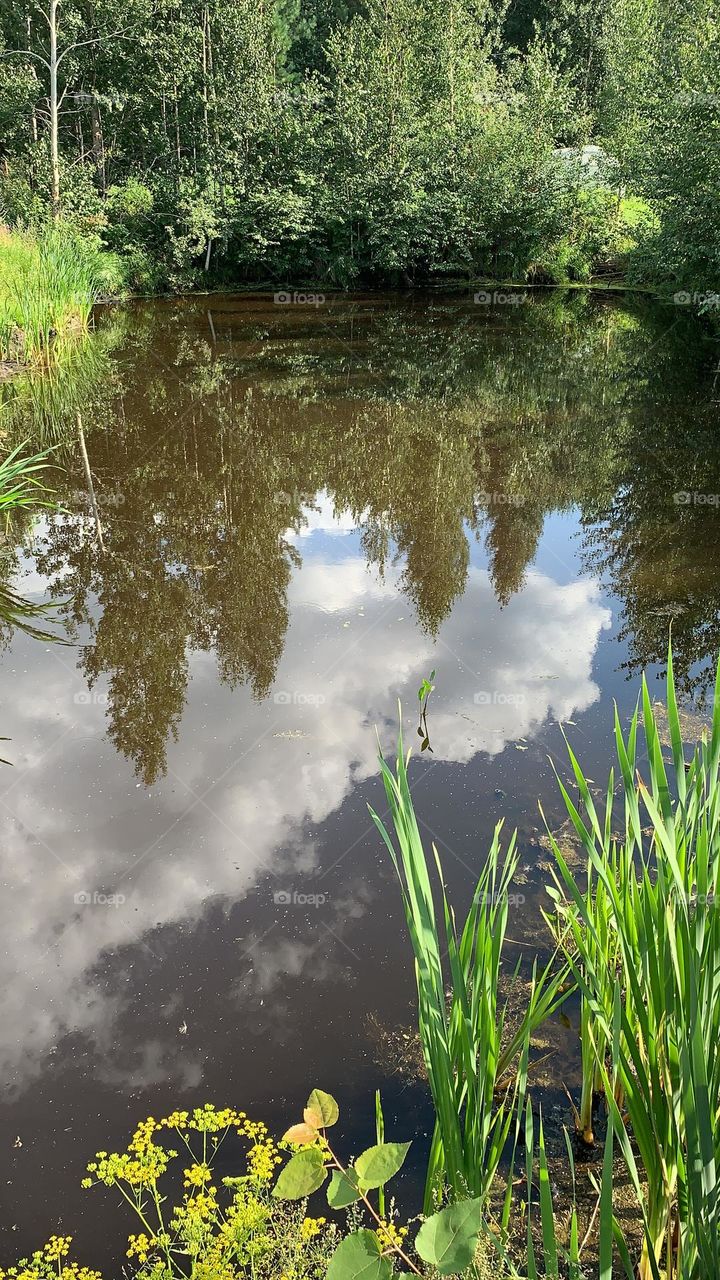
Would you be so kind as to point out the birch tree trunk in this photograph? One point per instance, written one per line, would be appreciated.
(54, 156)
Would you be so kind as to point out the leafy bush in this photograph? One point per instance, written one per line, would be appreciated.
(603, 231)
(447, 1241)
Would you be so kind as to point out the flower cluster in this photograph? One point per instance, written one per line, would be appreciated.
(311, 1227)
(390, 1236)
(49, 1263)
(217, 1229)
(230, 1231)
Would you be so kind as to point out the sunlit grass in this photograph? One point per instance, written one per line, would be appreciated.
(20, 482)
(476, 1071)
(656, 1042)
(48, 285)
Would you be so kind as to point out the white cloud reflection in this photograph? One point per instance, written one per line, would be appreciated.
(245, 781)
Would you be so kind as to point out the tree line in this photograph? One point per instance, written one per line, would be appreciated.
(369, 141)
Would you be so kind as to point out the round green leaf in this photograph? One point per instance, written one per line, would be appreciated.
(343, 1189)
(449, 1238)
(378, 1164)
(321, 1110)
(358, 1258)
(302, 1175)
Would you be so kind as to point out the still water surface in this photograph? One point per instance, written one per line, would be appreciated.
(301, 512)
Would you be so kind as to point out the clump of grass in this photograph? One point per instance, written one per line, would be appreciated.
(600, 940)
(661, 1029)
(49, 283)
(20, 483)
(476, 1074)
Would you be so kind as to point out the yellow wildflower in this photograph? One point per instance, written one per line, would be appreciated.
(197, 1175)
(390, 1236)
(141, 1246)
(57, 1247)
(311, 1227)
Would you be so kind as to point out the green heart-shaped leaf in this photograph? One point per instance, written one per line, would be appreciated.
(302, 1175)
(358, 1258)
(343, 1189)
(449, 1238)
(321, 1110)
(378, 1164)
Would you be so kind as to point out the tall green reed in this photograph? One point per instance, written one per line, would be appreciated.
(49, 283)
(20, 483)
(601, 940)
(476, 1065)
(657, 1046)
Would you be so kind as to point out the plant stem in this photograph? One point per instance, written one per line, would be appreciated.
(394, 1248)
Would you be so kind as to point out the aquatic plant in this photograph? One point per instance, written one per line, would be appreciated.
(424, 692)
(551, 1249)
(20, 483)
(601, 939)
(663, 1027)
(22, 489)
(48, 286)
(476, 1071)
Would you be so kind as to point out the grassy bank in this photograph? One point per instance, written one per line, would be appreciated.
(49, 282)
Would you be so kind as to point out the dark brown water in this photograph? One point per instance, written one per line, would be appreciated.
(302, 511)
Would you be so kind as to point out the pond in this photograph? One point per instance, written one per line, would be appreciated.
(299, 510)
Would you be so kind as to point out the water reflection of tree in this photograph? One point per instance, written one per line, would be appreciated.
(657, 541)
(426, 426)
(195, 558)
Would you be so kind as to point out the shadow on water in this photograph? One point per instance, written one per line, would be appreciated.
(290, 515)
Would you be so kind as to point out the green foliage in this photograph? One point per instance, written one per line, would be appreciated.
(48, 285)
(321, 1110)
(343, 1189)
(20, 483)
(447, 1240)
(340, 142)
(301, 1176)
(379, 1164)
(359, 1257)
(661, 112)
(604, 233)
(476, 1073)
(661, 1026)
(384, 141)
